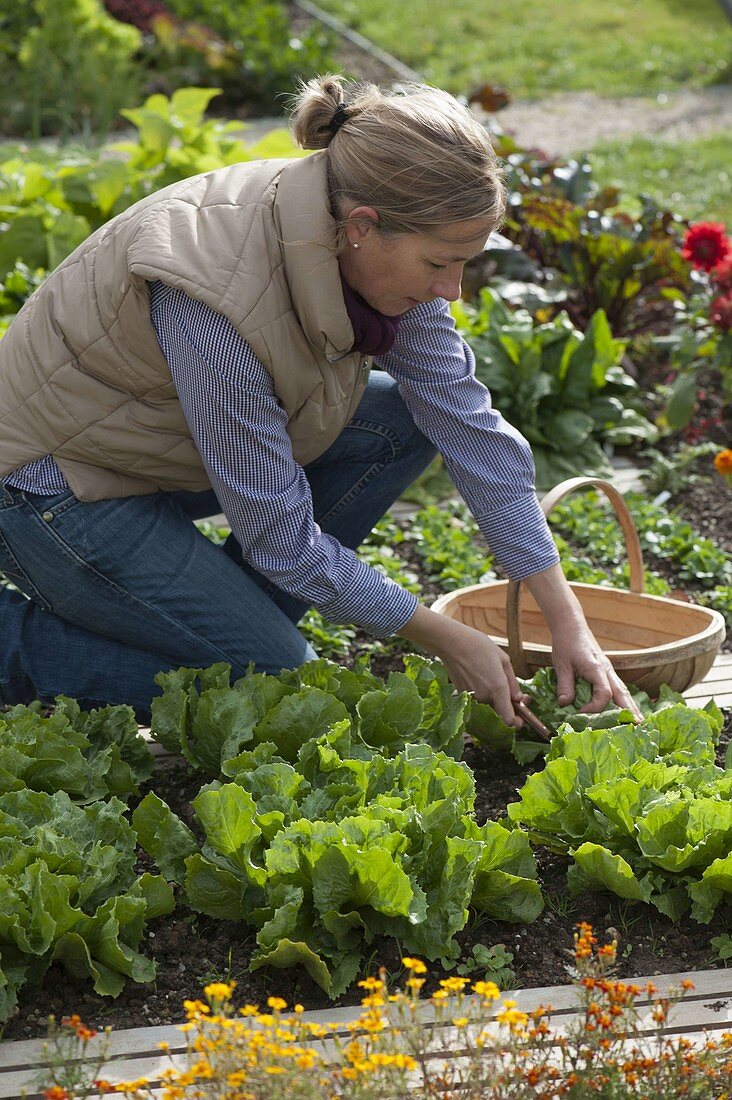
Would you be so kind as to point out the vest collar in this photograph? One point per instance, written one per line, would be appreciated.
(307, 232)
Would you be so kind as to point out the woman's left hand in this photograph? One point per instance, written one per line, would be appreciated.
(577, 653)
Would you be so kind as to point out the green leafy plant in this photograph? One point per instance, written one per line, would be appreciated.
(70, 894)
(588, 522)
(642, 809)
(449, 546)
(493, 964)
(264, 57)
(87, 754)
(564, 390)
(87, 62)
(670, 473)
(721, 949)
(608, 261)
(341, 814)
(49, 206)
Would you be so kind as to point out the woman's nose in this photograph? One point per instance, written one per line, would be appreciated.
(448, 285)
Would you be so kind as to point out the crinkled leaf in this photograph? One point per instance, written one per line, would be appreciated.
(597, 868)
(288, 954)
(163, 836)
(227, 816)
(215, 891)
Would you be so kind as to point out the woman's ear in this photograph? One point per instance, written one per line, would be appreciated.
(359, 223)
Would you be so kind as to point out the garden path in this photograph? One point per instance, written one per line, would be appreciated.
(576, 121)
(560, 124)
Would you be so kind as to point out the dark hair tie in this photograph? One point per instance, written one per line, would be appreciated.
(337, 120)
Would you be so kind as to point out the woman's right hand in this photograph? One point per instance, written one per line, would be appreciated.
(473, 661)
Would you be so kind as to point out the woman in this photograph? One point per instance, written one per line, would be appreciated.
(209, 349)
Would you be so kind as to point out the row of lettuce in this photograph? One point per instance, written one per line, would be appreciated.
(565, 306)
(338, 809)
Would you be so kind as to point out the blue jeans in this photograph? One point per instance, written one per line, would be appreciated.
(113, 591)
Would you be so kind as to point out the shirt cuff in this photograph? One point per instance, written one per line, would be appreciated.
(371, 602)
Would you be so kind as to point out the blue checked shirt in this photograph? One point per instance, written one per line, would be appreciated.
(240, 430)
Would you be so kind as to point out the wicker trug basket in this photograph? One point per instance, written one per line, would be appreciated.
(651, 640)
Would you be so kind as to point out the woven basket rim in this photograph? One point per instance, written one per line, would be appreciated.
(715, 621)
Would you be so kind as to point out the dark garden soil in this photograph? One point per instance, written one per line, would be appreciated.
(191, 950)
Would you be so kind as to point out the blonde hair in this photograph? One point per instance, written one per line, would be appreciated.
(415, 154)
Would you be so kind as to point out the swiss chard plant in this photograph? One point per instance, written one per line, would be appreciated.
(563, 389)
(607, 260)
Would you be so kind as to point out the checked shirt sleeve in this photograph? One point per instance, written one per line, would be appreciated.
(240, 430)
(488, 460)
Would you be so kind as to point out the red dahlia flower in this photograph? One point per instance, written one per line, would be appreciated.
(721, 312)
(722, 275)
(706, 244)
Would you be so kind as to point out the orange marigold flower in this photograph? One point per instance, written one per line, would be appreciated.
(706, 245)
(56, 1093)
(687, 982)
(723, 461)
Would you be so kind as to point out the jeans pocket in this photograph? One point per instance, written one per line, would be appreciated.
(51, 507)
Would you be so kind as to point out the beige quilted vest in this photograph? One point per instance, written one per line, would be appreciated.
(82, 376)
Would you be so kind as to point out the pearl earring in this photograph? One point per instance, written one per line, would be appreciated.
(355, 244)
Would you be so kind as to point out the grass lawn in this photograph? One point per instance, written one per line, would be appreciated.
(538, 47)
(693, 178)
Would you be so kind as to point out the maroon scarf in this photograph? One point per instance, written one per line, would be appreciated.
(374, 332)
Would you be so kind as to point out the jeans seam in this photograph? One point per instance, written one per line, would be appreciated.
(21, 574)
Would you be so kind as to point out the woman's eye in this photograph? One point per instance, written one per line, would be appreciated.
(438, 267)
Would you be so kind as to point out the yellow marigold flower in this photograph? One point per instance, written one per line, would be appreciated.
(371, 983)
(237, 1077)
(460, 1021)
(513, 1018)
(454, 985)
(298, 1008)
(414, 983)
(276, 1003)
(488, 990)
(249, 1010)
(274, 1069)
(440, 995)
(415, 965)
(219, 991)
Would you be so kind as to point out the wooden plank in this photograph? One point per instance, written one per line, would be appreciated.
(134, 1053)
(717, 685)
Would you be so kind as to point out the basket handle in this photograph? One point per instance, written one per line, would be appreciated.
(632, 545)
